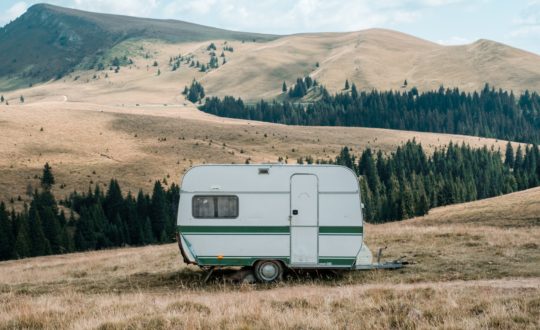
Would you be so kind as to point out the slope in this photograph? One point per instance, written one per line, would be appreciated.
(462, 275)
(89, 143)
(373, 59)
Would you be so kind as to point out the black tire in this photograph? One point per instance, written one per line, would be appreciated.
(268, 271)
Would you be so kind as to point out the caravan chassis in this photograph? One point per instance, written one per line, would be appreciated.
(395, 264)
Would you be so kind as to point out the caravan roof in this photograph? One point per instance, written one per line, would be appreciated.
(269, 178)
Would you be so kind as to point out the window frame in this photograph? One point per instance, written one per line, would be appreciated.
(215, 197)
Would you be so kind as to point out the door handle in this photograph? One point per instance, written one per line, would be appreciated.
(295, 212)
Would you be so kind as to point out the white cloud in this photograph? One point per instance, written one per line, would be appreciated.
(526, 31)
(272, 16)
(16, 10)
(527, 24)
(293, 16)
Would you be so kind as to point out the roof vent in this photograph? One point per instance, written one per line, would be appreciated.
(264, 171)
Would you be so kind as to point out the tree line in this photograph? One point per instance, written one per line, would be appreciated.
(96, 220)
(408, 182)
(488, 113)
(401, 185)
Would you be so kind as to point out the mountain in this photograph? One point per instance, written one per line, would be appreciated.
(49, 41)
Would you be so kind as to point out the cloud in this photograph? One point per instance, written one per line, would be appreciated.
(276, 16)
(16, 10)
(271, 16)
(527, 24)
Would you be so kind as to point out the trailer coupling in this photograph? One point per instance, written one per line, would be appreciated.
(395, 264)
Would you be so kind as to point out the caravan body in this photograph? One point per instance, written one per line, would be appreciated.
(300, 216)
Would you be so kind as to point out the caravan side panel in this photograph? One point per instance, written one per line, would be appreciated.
(261, 230)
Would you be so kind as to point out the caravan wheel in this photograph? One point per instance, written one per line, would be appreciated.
(267, 271)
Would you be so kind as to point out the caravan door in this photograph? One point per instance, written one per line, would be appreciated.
(304, 219)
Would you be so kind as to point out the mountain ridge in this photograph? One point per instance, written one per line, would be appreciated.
(49, 42)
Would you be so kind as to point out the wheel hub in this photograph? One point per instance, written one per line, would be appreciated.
(269, 271)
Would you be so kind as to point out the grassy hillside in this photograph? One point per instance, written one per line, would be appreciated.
(468, 270)
(49, 41)
(88, 143)
(375, 58)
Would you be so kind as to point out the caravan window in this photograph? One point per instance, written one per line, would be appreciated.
(215, 207)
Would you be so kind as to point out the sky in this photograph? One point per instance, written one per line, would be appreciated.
(448, 22)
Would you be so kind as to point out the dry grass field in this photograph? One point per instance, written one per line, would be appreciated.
(466, 272)
(89, 143)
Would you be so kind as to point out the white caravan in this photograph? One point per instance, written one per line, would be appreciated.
(272, 217)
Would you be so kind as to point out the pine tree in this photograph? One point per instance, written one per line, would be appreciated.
(114, 202)
(6, 234)
(147, 231)
(2, 99)
(47, 178)
(134, 223)
(509, 155)
(518, 161)
(66, 238)
(85, 237)
(39, 244)
(367, 167)
(158, 214)
(195, 92)
(22, 247)
(346, 159)
(347, 84)
(354, 92)
(143, 215)
(406, 203)
(52, 230)
(284, 87)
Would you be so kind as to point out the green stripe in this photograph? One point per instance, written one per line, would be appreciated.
(337, 261)
(264, 230)
(236, 261)
(249, 261)
(234, 230)
(335, 230)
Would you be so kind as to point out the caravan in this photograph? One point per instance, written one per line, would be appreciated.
(272, 217)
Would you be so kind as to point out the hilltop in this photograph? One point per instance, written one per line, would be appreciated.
(49, 41)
